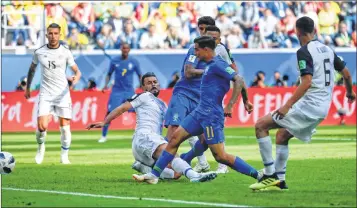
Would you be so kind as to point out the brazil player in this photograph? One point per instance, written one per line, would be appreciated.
(148, 143)
(124, 67)
(186, 93)
(305, 110)
(54, 96)
(208, 117)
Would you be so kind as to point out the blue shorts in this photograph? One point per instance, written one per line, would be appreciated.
(118, 98)
(196, 124)
(180, 106)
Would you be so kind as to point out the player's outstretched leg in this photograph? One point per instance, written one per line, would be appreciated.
(222, 168)
(66, 138)
(202, 165)
(41, 132)
(270, 177)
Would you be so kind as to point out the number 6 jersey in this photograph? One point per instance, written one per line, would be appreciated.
(54, 62)
(319, 61)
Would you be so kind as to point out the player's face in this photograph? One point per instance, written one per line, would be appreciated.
(215, 35)
(125, 49)
(151, 84)
(202, 29)
(199, 52)
(53, 35)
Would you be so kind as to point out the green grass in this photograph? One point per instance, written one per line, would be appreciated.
(320, 174)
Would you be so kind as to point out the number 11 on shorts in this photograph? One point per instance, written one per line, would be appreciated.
(209, 132)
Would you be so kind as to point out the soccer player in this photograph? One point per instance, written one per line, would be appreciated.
(54, 97)
(148, 143)
(208, 117)
(124, 67)
(305, 110)
(186, 93)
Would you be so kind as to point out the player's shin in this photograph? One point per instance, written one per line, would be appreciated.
(40, 136)
(282, 154)
(265, 147)
(164, 159)
(244, 168)
(197, 149)
(66, 139)
(184, 168)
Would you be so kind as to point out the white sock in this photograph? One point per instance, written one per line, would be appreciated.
(167, 174)
(66, 138)
(265, 148)
(202, 160)
(40, 136)
(184, 168)
(282, 154)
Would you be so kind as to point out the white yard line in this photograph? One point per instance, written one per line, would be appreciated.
(125, 197)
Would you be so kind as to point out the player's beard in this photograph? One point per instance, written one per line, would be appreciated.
(156, 92)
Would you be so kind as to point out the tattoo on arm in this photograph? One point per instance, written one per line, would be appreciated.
(30, 75)
(244, 94)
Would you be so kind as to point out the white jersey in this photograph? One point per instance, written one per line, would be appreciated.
(54, 62)
(150, 112)
(320, 61)
(221, 51)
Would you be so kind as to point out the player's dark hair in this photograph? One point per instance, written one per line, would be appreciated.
(207, 20)
(146, 75)
(305, 25)
(205, 41)
(54, 25)
(213, 28)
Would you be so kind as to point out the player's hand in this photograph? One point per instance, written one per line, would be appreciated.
(104, 89)
(248, 107)
(281, 112)
(74, 80)
(228, 111)
(27, 94)
(95, 125)
(351, 97)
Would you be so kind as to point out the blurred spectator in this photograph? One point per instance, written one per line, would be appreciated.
(278, 8)
(21, 86)
(235, 38)
(116, 22)
(289, 22)
(343, 38)
(17, 20)
(53, 17)
(348, 11)
(151, 40)
(308, 11)
(229, 8)
(328, 20)
(175, 78)
(105, 39)
(207, 8)
(160, 24)
(278, 81)
(174, 39)
(84, 17)
(92, 85)
(278, 39)
(34, 19)
(259, 80)
(257, 39)
(267, 23)
(247, 17)
(77, 40)
(224, 23)
(296, 7)
(128, 36)
(285, 81)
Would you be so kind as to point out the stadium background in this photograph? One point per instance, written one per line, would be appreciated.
(160, 33)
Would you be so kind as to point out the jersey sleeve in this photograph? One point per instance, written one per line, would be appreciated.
(137, 68)
(305, 62)
(138, 99)
(338, 63)
(191, 58)
(70, 58)
(35, 58)
(226, 72)
(222, 52)
(111, 68)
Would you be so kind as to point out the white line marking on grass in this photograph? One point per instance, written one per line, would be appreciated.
(125, 197)
(313, 138)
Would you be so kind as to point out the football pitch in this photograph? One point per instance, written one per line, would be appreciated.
(319, 174)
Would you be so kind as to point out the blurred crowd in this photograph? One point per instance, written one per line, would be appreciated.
(173, 25)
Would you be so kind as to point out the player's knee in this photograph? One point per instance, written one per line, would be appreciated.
(282, 138)
(220, 157)
(260, 125)
(42, 127)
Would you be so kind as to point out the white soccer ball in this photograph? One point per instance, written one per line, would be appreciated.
(7, 163)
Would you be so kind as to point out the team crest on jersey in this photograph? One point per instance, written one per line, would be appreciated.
(192, 58)
(130, 66)
(302, 64)
(229, 70)
(176, 116)
(117, 65)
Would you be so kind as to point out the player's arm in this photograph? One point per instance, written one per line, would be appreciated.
(306, 67)
(72, 64)
(238, 88)
(109, 75)
(340, 66)
(138, 71)
(191, 72)
(111, 116)
(30, 75)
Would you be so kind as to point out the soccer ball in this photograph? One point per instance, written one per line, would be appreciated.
(7, 163)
